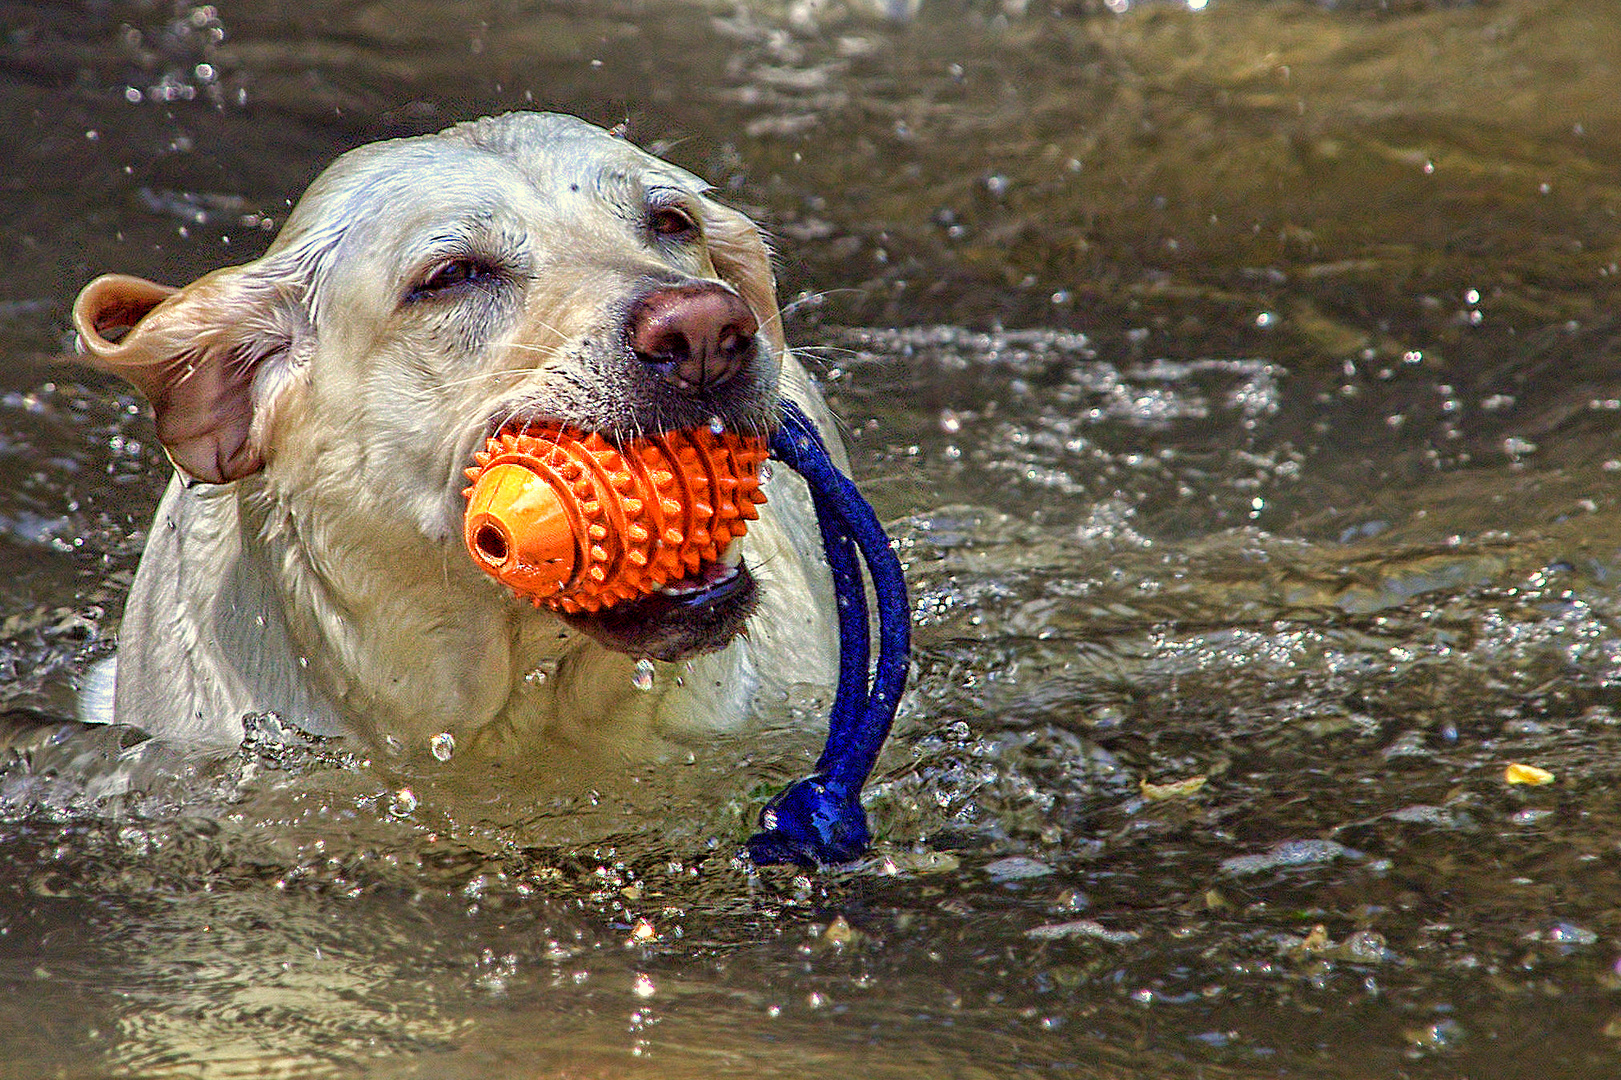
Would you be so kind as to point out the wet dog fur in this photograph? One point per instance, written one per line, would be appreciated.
(321, 403)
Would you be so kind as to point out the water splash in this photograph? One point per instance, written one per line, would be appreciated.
(443, 746)
(643, 678)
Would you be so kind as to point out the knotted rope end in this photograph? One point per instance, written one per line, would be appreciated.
(819, 820)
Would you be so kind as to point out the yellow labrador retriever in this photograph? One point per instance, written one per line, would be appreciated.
(321, 403)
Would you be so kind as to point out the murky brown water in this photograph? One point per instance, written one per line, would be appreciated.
(1240, 384)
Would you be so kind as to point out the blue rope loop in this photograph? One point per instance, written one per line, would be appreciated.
(819, 820)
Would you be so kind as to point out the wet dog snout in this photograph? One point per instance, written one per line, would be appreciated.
(695, 337)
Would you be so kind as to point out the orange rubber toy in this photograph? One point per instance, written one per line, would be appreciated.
(569, 521)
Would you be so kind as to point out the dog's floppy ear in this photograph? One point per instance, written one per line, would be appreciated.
(742, 259)
(194, 353)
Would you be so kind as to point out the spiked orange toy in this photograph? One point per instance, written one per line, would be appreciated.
(570, 521)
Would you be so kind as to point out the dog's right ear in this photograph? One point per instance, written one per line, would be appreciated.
(194, 353)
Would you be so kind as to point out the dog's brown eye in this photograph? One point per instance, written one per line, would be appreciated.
(452, 273)
(672, 221)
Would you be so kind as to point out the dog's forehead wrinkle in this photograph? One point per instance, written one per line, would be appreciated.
(568, 144)
(393, 201)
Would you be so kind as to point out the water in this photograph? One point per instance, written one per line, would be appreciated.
(1239, 383)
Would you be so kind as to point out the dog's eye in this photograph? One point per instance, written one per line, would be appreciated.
(451, 274)
(672, 221)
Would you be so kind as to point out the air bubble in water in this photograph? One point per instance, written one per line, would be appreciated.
(643, 679)
(404, 803)
(443, 745)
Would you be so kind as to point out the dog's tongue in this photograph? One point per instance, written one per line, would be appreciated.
(569, 521)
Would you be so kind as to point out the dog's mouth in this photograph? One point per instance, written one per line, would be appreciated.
(699, 613)
(678, 618)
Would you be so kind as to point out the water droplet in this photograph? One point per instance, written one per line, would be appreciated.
(643, 679)
(443, 745)
(644, 987)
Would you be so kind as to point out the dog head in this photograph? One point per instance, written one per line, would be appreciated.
(428, 292)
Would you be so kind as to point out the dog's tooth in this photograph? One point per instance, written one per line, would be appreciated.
(732, 555)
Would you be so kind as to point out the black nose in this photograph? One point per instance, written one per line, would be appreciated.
(695, 336)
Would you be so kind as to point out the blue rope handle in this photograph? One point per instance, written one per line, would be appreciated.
(819, 819)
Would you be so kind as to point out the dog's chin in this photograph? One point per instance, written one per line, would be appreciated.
(700, 613)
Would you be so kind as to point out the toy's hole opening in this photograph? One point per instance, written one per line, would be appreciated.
(491, 543)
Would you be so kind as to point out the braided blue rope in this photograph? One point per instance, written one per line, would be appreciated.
(819, 819)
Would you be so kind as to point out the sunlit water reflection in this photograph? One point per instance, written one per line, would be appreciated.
(1241, 573)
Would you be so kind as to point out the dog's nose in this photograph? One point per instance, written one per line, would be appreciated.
(695, 336)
